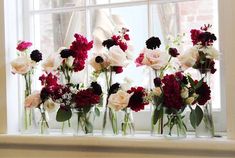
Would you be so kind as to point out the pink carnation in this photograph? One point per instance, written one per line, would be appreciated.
(22, 46)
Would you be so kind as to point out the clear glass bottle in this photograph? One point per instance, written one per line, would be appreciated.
(110, 124)
(127, 126)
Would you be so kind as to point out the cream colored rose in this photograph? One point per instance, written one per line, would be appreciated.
(211, 52)
(21, 65)
(69, 61)
(51, 63)
(154, 58)
(49, 105)
(99, 66)
(157, 91)
(117, 57)
(33, 100)
(184, 93)
(189, 58)
(119, 100)
(190, 100)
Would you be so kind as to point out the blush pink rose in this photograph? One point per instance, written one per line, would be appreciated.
(33, 100)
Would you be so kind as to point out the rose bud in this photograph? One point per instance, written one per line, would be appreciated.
(157, 82)
(173, 52)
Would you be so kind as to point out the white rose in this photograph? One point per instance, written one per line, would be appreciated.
(119, 100)
(117, 57)
(69, 61)
(33, 100)
(189, 58)
(154, 58)
(184, 93)
(49, 105)
(51, 63)
(211, 52)
(157, 91)
(21, 65)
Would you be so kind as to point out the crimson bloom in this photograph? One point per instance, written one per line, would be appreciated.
(204, 93)
(22, 46)
(86, 98)
(137, 101)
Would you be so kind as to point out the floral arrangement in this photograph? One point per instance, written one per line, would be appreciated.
(172, 90)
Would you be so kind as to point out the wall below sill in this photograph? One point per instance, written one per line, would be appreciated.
(140, 146)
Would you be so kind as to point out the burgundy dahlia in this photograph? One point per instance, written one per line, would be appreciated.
(204, 93)
(172, 92)
(36, 55)
(137, 101)
(86, 98)
(153, 43)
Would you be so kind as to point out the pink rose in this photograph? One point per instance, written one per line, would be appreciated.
(117, 57)
(119, 100)
(21, 65)
(22, 46)
(51, 63)
(33, 100)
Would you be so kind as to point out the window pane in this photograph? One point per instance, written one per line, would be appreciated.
(47, 4)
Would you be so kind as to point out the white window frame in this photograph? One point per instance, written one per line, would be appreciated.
(16, 32)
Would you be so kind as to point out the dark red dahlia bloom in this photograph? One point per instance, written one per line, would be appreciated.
(86, 98)
(117, 69)
(80, 47)
(173, 52)
(22, 46)
(36, 55)
(153, 43)
(49, 80)
(172, 92)
(205, 66)
(194, 36)
(204, 93)
(137, 102)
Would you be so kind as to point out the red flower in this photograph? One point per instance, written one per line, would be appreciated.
(49, 80)
(194, 36)
(137, 102)
(117, 69)
(86, 98)
(126, 37)
(139, 59)
(204, 93)
(22, 46)
(80, 47)
(172, 92)
(122, 45)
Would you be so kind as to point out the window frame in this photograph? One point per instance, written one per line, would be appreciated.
(25, 35)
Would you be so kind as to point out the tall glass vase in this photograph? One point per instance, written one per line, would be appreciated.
(128, 127)
(206, 127)
(28, 114)
(175, 127)
(110, 124)
(84, 122)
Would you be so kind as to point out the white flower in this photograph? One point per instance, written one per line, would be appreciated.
(190, 100)
(211, 52)
(51, 63)
(157, 91)
(189, 58)
(117, 57)
(49, 105)
(119, 100)
(127, 84)
(33, 100)
(99, 66)
(184, 93)
(69, 61)
(154, 58)
(21, 65)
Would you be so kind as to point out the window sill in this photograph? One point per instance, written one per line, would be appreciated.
(139, 144)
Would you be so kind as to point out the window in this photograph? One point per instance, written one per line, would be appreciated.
(50, 24)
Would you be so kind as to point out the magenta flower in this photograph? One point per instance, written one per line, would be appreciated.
(22, 46)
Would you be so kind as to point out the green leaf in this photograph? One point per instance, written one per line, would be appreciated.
(63, 114)
(191, 81)
(199, 114)
(199, 84)
(158, 113)
(97, 111)
(196, 117)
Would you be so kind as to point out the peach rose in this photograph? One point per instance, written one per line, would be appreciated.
(157, 91)
(119, 100)
(21, 65)
(33, 100)
(154, 58)
(188, 59)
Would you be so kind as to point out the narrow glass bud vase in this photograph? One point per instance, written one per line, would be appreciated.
(128, 127)
(66, 128)
(156, 123)
(206, 127)
(175, 127)
(110, 125)
(84, 122)
(28, 124)
(43, 123)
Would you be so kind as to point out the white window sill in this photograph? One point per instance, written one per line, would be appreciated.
(138, 145)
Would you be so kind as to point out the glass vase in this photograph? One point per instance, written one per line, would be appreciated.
(66, 127)
(84, 122)
(175, 127)
(110, 125)
(206, 127)
(128, 127)
(156, 126)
